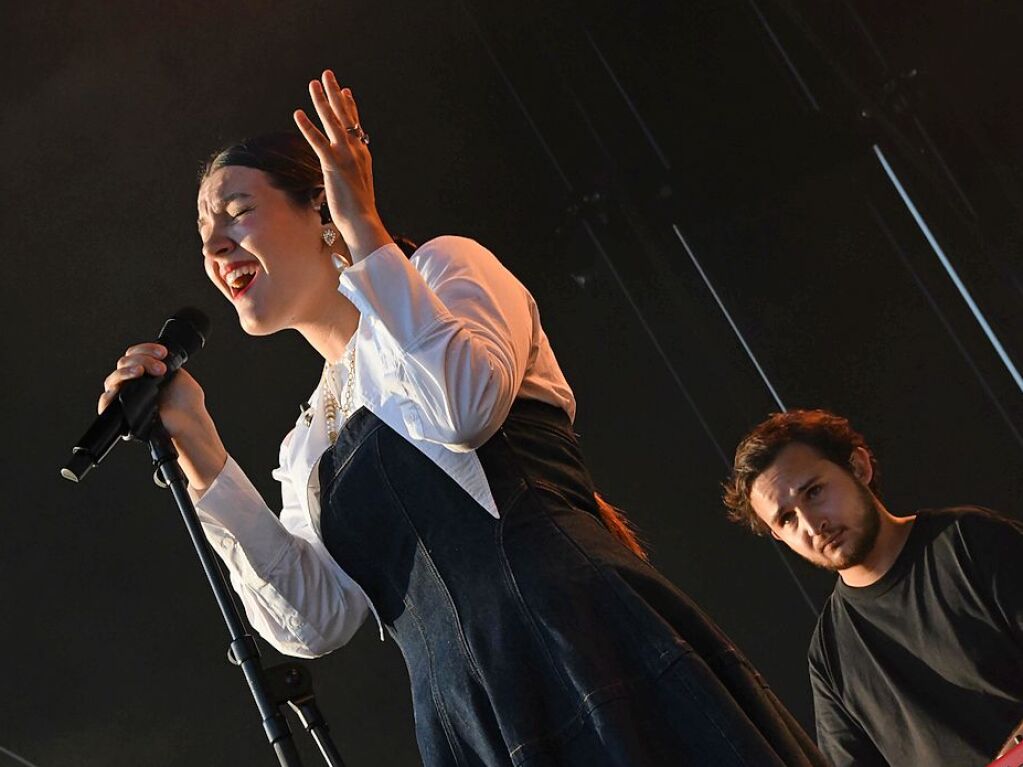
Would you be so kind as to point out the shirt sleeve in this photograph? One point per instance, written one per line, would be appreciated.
(294, 594)
(839, 736)
(995, 544)
(460, 328)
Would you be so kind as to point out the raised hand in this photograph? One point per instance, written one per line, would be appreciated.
(343, 149)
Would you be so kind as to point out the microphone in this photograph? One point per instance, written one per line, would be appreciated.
(132, 411)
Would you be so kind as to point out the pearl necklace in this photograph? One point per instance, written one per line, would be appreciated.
(332, 403)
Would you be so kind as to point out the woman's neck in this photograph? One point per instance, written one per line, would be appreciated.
(330, 327)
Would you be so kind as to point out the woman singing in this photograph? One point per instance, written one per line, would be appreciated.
(435, 482)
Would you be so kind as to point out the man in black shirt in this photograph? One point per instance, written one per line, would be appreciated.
(918, 655)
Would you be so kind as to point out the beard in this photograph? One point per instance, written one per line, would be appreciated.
(860, 543)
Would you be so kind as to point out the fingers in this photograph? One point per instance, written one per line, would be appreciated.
(148, 364)
(319, 142)
(336, 109)
(137, 361)
(104, 401)
(341, 101)
(328, 118)
(153, 350)
(132, 366)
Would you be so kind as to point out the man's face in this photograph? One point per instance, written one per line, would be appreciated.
(818, 509)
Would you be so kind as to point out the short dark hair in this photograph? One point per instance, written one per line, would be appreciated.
(290, 163)
(285, 156)
(830, 435)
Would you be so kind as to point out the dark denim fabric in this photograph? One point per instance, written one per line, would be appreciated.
(537, 639)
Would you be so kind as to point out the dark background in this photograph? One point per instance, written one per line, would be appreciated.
(571, 140)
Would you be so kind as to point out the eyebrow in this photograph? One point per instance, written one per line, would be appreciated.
(799, 491)
(225, 201)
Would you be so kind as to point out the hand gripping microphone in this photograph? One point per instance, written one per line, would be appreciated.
(134, 408)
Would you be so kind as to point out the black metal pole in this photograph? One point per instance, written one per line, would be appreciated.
(243, 647)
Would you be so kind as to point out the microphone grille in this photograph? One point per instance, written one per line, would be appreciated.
(189, 329)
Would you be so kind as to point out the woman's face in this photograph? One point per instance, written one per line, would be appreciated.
(262, 251)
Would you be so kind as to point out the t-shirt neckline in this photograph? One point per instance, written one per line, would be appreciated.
(914, 541)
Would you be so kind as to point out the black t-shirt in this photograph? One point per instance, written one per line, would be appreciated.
(925, 666)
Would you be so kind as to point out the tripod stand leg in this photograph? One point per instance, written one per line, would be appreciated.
(320, 733)
(292, 684)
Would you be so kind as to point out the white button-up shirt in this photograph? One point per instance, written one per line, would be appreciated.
(447, 340)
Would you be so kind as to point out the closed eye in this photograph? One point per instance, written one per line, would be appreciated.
(238, 214)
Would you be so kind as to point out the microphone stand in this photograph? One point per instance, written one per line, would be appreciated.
(271, 687)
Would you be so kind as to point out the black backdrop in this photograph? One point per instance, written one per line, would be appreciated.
(582, 145)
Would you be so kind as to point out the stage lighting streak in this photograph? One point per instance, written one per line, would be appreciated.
(779, 549)
(15, 757)
(728, 316)
(629, 102)
(883, 226)
(596, 241)
(865, 31)
(590, 127)
(943, 165)
(577, 103)
(963, 290)
(518, 100)
(653, 339)
(625, 291)
(785, 57)
(781, 406)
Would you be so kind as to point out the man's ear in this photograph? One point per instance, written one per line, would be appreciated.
(860, 465)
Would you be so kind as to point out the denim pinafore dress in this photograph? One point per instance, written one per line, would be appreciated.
(537, 639)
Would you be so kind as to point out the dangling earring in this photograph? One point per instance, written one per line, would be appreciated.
(340, 262)
(329, 235)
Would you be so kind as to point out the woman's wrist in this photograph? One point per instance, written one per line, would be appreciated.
(203, 470)
(365, 235)
(202, 456)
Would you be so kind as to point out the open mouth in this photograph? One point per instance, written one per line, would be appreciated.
(240, 278)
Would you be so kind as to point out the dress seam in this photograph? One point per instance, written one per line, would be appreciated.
(470, 659)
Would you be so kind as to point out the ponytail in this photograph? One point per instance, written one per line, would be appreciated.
(618, 525)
